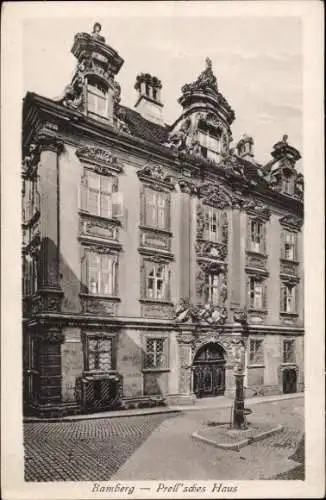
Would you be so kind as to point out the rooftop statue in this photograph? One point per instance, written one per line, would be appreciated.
(205, 81)
(96, 33)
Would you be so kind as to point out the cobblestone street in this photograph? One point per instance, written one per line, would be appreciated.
(123, 448)
(83, 450)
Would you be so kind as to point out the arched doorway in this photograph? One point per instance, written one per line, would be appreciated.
(209, 371)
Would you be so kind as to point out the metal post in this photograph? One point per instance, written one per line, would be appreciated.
(239, 420)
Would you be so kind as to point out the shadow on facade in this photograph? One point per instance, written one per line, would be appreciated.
(78, 355)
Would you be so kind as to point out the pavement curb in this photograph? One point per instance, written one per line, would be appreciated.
(168, 409)
(238, 444)
(104, 415)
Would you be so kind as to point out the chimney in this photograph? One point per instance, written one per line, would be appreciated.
(245, 147)
(149, 98)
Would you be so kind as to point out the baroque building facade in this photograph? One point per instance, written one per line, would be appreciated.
(143, 245)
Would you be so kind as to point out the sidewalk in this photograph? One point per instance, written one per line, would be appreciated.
(200, 404)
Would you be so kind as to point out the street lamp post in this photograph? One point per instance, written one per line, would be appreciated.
(238, 421)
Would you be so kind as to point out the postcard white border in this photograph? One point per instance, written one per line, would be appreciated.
(13, 15)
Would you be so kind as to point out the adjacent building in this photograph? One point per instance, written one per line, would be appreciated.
(144, 243)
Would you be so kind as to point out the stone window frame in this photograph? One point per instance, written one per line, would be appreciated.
(154, 336)
(100, 250)
(292, 341)
(261, 362)
(293, 284)
(88, 335)
(146, 191)
(289, 232)
(263, 238)
(261, 277)
(95, 87)
(84, 191)
(154, 259)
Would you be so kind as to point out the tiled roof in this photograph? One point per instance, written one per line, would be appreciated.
(144, 129)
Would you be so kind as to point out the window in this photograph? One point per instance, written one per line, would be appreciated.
(99, 354)
(97, 191)
(257, 236)
(288, 298)
(289, 245)
(212, 288)
(211, 224)
(30, 274)
(99, 273)
(155, 355)
(257, 293)
(256, 352)
(210, 140)
(288, 185)
(31, 199)
(157, 281)
(289, 351)
(156, 208)
(97, 100)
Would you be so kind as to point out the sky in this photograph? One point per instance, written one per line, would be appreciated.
(257, 62)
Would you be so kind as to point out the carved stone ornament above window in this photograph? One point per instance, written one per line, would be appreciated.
(291, 222)
(104, 162)
(256, 209)
(212, 250)
(212, 194)
(156, 176)
(204, 314)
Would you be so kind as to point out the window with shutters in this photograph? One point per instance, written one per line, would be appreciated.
(157, 281)
(256, 293)
(155, 353)
(289, 351)
(288, 297)
(99, 353)
(256, 352)
(99, 273)
(97, 193)
(257, 237)
(156, 208)
(289, 245)
(97, 100)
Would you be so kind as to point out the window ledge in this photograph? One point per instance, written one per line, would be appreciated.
(156, 301)
(260, 311)
(258, 365)
(109, 298)
(258, 254)
(156, 229)
(289, 364)
(290, 261)
(113, 220)
(155, 370)
(289, 314)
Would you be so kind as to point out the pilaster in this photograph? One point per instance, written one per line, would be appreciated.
(50, 149)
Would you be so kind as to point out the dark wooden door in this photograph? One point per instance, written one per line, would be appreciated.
(289, 381)
(209, 371)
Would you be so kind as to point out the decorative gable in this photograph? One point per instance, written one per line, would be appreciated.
(104, 162)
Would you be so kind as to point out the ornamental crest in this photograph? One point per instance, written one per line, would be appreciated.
(292, 222)
(212, 194)
(204, 314)
(157, 175)
(99, 157)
